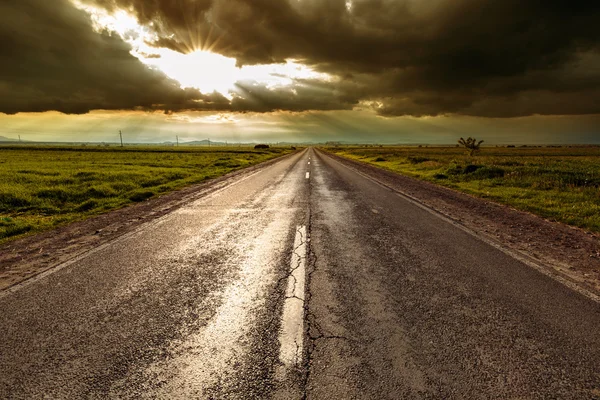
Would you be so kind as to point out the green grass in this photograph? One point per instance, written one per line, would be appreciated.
(561, 184)
(42, 187)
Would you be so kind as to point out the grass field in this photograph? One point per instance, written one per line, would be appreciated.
(561, 184)
(42, 187)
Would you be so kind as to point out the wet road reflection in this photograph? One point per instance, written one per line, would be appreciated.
(188, 307)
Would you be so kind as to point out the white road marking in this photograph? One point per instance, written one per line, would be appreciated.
(309, 163)
(291, 336)
(307, 175)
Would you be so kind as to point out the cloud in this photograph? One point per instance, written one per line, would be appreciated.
(474, 57)
(51, 59)
(301, 95)
(401, 57)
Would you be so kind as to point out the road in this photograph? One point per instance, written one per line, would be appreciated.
(304, 279)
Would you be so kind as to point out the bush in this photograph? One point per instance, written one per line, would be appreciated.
(153, 182)
(454, 170)
(86, 176)
(380, 159)
(13, 230)
(511, 163)
(11, 227)
(261, 146)
(417, 160)
(440, 176)
(141, 195)
(87, 205)
(8, 201)
(489, 173)
(122, 187)
(579, 180)
(100, 192)
(54, 194)
(469, 169)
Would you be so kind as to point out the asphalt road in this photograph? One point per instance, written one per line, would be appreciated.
(304, 279)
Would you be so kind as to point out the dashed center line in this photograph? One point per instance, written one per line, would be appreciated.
(291, 336)
(307, 175)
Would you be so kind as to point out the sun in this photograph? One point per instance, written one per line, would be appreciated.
(200, 69)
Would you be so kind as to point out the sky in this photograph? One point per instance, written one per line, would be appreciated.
(384, 71)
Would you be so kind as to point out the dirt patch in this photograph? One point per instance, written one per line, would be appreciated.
(25, 258)
(565, 251)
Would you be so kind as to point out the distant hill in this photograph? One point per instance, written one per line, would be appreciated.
(5, 139)
(196, 143)
(205, 143)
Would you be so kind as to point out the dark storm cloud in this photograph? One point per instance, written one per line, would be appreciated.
(402, 57)
(51, 59)
(417, 57)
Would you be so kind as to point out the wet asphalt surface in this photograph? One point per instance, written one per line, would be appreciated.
(398, 303)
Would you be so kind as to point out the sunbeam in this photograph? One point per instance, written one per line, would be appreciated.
(196, 64)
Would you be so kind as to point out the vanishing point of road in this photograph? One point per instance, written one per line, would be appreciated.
(302, 279)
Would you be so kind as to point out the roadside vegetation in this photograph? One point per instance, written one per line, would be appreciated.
(42, 187)
(558, 183)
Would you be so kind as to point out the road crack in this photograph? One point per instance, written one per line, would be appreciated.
(310, 319)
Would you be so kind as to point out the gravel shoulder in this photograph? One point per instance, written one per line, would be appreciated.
(30, 256)
(571, 254)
